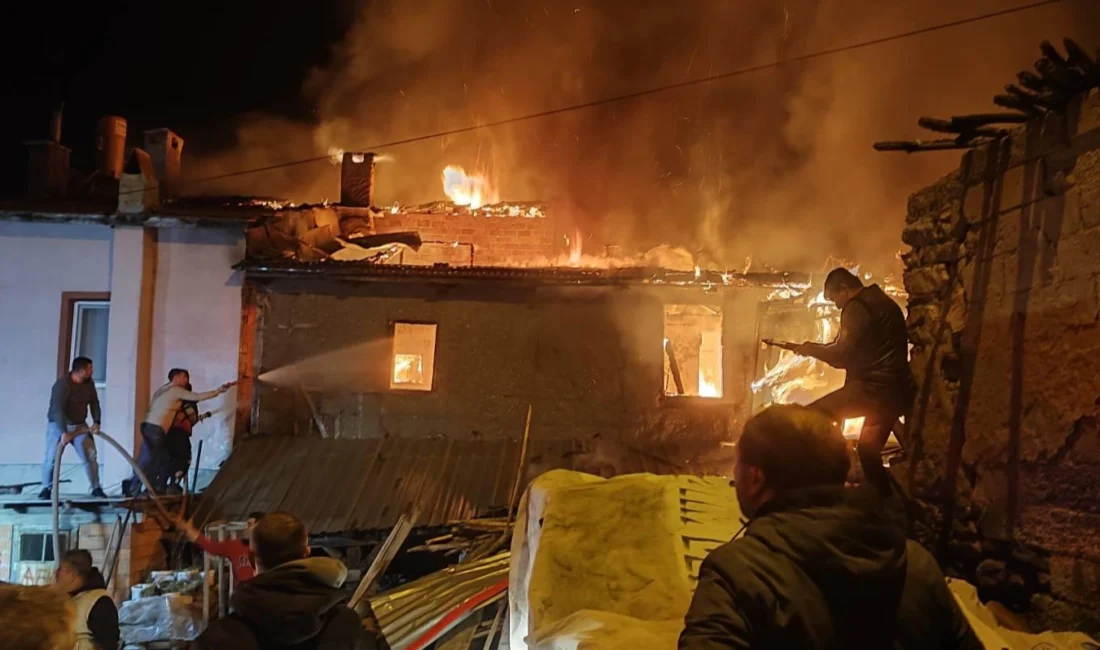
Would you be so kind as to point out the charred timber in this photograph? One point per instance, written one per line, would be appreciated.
(1020, 104)
(913, 146)
(983, 119)
(1080, 60)
(1027, 101)
(1058, 77)
(1052, 53)
(1031, 81)
(967, 130)
(674, 367)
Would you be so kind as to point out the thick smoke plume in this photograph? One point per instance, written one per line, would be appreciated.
(776, 164)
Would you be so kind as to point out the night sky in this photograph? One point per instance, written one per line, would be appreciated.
(192, 66)
(757, 166)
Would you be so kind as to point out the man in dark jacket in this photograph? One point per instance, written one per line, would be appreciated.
(821, 566)
(294, 600)
(872, 347)
(71, 399)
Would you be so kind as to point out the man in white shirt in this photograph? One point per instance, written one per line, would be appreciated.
(163, 407)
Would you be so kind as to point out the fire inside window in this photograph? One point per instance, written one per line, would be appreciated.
(413, 356)
(693, 350)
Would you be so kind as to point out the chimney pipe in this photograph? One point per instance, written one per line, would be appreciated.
(357, 179)
(55, 124)
(111, 144)
(48, 164)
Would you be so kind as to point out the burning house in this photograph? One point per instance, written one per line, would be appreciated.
(426, 332)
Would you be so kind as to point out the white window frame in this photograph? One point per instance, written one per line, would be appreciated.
(74, 335)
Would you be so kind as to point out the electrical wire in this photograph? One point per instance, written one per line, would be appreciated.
(636, 94)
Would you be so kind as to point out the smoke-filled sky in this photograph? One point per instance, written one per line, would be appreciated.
(775, 164)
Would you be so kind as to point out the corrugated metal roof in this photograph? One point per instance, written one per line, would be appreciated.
(348, 485)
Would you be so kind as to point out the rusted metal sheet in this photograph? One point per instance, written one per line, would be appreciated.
(346, 485)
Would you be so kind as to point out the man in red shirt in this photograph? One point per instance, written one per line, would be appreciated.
(236, 551)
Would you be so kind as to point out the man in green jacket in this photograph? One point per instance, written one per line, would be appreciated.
(821, 566)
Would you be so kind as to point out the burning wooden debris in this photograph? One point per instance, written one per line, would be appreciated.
(530, 210)
(1058, 80)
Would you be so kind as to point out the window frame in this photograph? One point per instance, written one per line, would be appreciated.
(18, 565)
(413, 389)
(696, 400)
(67, 328)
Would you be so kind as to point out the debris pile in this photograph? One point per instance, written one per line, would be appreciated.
(474, 539)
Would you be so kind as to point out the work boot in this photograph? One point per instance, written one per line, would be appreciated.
(45, 494)
(99, 493)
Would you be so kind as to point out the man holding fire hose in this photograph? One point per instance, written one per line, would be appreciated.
(873, 348)
(165, 405)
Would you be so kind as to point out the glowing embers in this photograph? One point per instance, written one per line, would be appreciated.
(693, 351)
(413, 361)
(408, 369)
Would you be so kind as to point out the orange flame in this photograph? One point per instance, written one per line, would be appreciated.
(467, 189)
(576, 247)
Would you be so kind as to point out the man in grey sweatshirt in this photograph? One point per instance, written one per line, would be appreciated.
(162, 409)
(67, 420)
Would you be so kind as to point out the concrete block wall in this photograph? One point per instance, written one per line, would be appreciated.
(589, 360)
(496, 240)
(1004, 316)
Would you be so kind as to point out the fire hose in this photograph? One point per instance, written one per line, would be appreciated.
(55, 492)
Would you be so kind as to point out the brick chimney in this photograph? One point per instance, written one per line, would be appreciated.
(138, 185)
(357, 180)
(165, 148)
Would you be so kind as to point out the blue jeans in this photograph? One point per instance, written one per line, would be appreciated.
(151, 459)
(84, 445)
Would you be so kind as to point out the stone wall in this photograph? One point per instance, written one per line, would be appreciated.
(1004, 317)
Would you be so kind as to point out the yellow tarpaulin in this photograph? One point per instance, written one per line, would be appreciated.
(610, 564)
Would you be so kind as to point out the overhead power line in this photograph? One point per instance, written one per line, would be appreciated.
(647, 91)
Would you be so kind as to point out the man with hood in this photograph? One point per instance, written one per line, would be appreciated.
(821, 566)
(294, 601)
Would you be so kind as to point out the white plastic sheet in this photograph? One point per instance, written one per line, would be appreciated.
(995, 637)
(159, 618)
